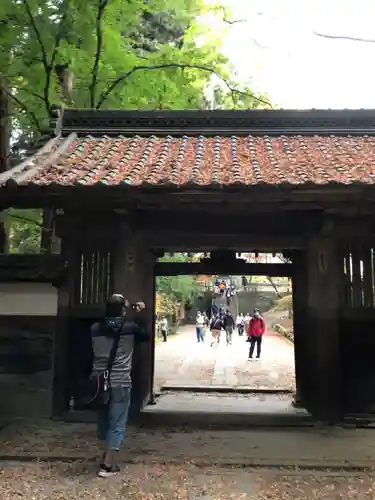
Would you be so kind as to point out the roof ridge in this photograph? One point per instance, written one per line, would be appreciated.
(216, 122)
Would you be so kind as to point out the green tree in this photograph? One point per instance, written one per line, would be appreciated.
(132, 54)
(24, 230)
(178, 288)
(127, 55)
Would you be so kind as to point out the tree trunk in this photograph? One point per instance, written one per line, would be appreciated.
(274, 287)
(4, 152)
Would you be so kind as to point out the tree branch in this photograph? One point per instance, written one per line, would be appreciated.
(42, 49)
(24, 107)
(48, 66)
(349, 38)
(102, 4)
(37, 34)
(225, 17)
(236, 21)
(56, 47)
(124, 76)
(23, 219)
(274, 287)
(30, 92)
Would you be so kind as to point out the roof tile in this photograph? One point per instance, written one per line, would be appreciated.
(203, 160)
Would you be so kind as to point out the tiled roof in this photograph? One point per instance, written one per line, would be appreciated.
(203, 160)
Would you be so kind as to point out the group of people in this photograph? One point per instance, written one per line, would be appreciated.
(225, 288)
(253, 325)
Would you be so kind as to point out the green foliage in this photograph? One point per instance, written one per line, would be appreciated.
(111, 48)
(177, 288)
(24, 230)
(125, 54)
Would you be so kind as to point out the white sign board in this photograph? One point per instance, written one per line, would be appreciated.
(28, 299)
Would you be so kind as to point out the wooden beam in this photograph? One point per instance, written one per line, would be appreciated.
(239, 268)
(254, 197)
(245, 242)
(40, 268)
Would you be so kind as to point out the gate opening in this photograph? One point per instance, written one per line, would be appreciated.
(197, 371)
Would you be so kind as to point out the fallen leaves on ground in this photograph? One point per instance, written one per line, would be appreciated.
(60, 481)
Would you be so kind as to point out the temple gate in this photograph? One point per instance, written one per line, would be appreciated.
(129, 186)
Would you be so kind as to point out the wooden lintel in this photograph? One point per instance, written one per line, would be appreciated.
(238, 267)
(93, 224)
(269, 198)
(245, 242)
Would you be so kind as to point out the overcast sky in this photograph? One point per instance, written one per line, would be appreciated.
(277, 51)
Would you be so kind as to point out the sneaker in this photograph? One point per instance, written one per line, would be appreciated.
(106, 471)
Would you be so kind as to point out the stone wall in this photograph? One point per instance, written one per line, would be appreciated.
(27, 327)
(26, 365)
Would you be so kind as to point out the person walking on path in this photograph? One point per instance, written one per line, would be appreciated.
(228, 323)
(246, 320)
(164, 329)
(199, 325)
(216, 325)
(255, 333)
(229, 296)
(240, 322)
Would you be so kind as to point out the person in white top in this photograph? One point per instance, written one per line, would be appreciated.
(240, 323)
(199, 324)
(164, 329)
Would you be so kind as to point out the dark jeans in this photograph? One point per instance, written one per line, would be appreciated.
(164, 335)
(240, 330)
(258, 342)
(228, 334)
(200, 337)
(113, 418)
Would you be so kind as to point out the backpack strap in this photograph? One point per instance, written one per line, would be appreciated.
(112, 354)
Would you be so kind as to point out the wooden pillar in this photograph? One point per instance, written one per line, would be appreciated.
(300, 325)
(63, 323)
(5, 133)
(134, 278)
(324, 269)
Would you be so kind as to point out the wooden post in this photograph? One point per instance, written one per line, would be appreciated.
(63, 322)
(324, 268)
(5, 132)
(134, 278)
(300, 326)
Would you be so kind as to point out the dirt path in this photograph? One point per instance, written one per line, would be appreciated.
(183, 361)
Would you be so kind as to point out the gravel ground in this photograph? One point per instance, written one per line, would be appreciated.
(60, 481)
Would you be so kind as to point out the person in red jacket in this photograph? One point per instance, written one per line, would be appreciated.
(255, 333)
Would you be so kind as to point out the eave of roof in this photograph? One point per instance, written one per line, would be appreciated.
(320, 129)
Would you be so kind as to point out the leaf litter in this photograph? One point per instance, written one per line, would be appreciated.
(62, 481)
